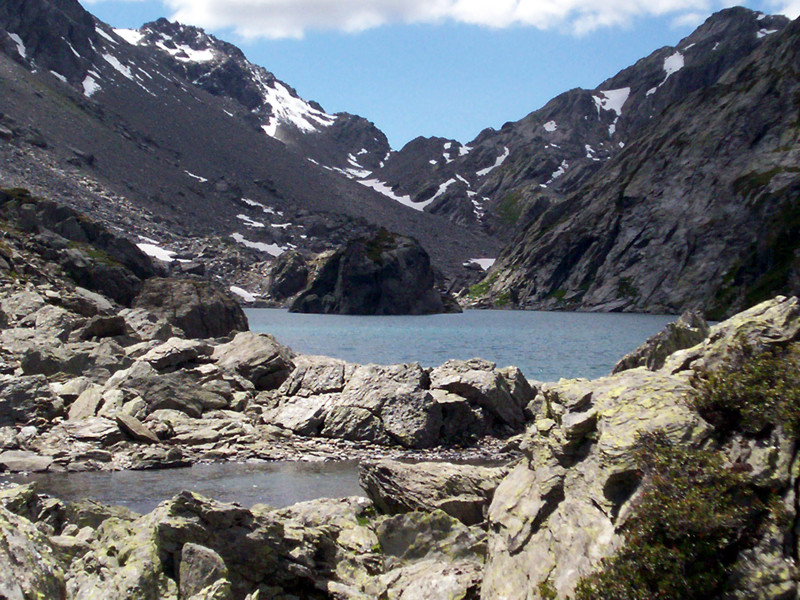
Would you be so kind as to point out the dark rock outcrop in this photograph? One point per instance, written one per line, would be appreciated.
(643, 236)
(288, 276)
(200, 308)
(87, 251)
(386, 274)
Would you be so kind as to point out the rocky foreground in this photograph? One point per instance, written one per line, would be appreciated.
(559, 523)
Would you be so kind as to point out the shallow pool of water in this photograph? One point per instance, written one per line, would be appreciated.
(278, 484)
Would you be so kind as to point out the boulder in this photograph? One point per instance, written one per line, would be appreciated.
(200, 308)
(134, 428)
(52, 321)
(86, 303)
(27, 398)
(484, 386)
(200, 567)
(774, 322)
(101, 326)
(148, 326)
(385, 274)
(87, 404)
(21, 461)
(688, 331)
(22, 304)
(421, 535)
(287, 276)
(28, 565)
(98, 430)
(176, 352)
(177, 390)
(429, 580)
(259, 358)
(462, 491)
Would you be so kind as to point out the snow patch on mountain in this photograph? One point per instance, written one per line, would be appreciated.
(612, 100)
(103, 34)
(23, 52)
(250, 222)
(562, 168)
(384, 189)
(197, 177)
(157, 252)
(550, 126)
(442, 189)
(673, 64)
(132, 36)
(118, 66)
(500, 160)
(762, 33)
(90, 85)
(464, 150)
(243, 293)
(287, 108)
(266, 209)
(271, 249)
(483, 263)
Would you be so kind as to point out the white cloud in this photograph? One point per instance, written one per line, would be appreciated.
(790, 8)
(293, 18)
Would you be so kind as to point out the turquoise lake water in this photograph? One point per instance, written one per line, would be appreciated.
(545, 345)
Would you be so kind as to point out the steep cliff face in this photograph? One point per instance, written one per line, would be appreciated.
(700, 210)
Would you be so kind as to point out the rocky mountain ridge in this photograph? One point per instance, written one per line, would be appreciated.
(699, 211)
(121, 132)
(504, 178)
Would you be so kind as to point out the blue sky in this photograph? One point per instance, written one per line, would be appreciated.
(446, 68)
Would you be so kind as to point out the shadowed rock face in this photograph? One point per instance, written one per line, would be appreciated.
(699, 211)
(386, 274)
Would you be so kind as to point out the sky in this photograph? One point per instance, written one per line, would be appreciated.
(447, 68)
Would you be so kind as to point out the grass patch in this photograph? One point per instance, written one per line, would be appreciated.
(693, 516)
(481, 288)
(752, 392)
(754, 182)
(503, 299)
(20, 194)
(626, 289)
(375, 246)
(510, 208)
(96, 254)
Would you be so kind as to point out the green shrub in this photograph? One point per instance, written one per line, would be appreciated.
(752, 391)
(693, 516)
